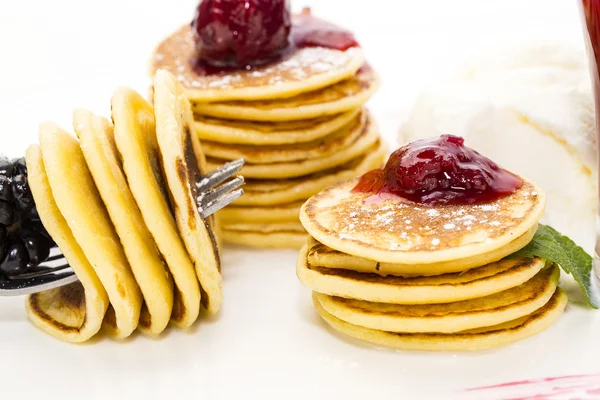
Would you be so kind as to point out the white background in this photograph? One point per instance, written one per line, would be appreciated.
(267, 343)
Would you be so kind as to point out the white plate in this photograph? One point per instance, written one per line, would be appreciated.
(268, 342)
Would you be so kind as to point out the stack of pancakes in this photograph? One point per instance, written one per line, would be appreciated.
(120, 204)
(409, 276)
(300, 123)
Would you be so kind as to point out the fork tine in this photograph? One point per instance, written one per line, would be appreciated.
(220, 175)
(18, 287)
(219, 191)
(221, 202)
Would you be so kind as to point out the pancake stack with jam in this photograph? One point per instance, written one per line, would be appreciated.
(420, 255)
(286, 93)
(116, 202)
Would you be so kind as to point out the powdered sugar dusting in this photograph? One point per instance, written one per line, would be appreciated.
(176, 55)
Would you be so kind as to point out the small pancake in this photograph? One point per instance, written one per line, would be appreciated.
(98, 145)
(265, 192)
(300, 71)
(283, 235)
(319, 254)
(270, 132)
(135, 137)
(281, 170)
(349, 94)
(80, 203)
(403, 232)
(477, 339)
(459, 316)
(183, 164)
(72, 313)
(339, 141)
(249, 214)
(446, 288)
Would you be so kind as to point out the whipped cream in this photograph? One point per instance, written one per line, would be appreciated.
(528, 107)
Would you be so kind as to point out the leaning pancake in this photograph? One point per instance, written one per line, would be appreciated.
(453, 317)
(349, 94)
(288, 235)
(300, 71)
(270, 192)
(403, 232)
(275, 213)
(281, 170)
(339, 141)
(135, 138)
(477, 282)
(183, 164)
(98, 145)
(319, 254)
(270, 132)
(476, 339)
(79, 202)
(72, 313)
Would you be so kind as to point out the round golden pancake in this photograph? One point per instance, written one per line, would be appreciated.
(403, 232)
(184, 164)
(264, 192)
(476, 339)
(73, 313)
(135, 138)
(281, 170)
(328, 146)
(319, 254)
(346, 95)
(453, 317)
(283, 235)
(446, 288)
(300, 71)
(270, 132)
(249, 214)
(80, 204)
(98, 145)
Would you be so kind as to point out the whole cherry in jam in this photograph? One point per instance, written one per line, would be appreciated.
(241, 33)
(440, 171)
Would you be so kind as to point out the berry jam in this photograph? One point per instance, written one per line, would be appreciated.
(440, 171)
(241, 34)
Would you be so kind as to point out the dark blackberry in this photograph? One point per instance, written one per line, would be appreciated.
(24, 241)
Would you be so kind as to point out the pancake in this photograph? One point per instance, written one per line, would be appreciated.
(300, 71)
(459, 316)
(281, 170)
(477, 339)
(319, 254)
(98, 146)
(72, 313)
(349, 94)
(271, 192)
(270, 132)
(80, 203)
(403, 232)
(248, 214)
(287, 235)
(446, 288)
(328, 146)
(135, 137)
(183, 164)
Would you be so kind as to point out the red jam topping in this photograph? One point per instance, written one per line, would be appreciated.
(241, 34)
(440, 171)
(310, 31)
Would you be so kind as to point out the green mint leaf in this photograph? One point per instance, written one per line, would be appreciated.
(555, 248)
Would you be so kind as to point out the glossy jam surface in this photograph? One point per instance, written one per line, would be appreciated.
(440, 171)
(244, 34)
(241, 32)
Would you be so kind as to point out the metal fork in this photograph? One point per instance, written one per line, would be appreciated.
(216, 191)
